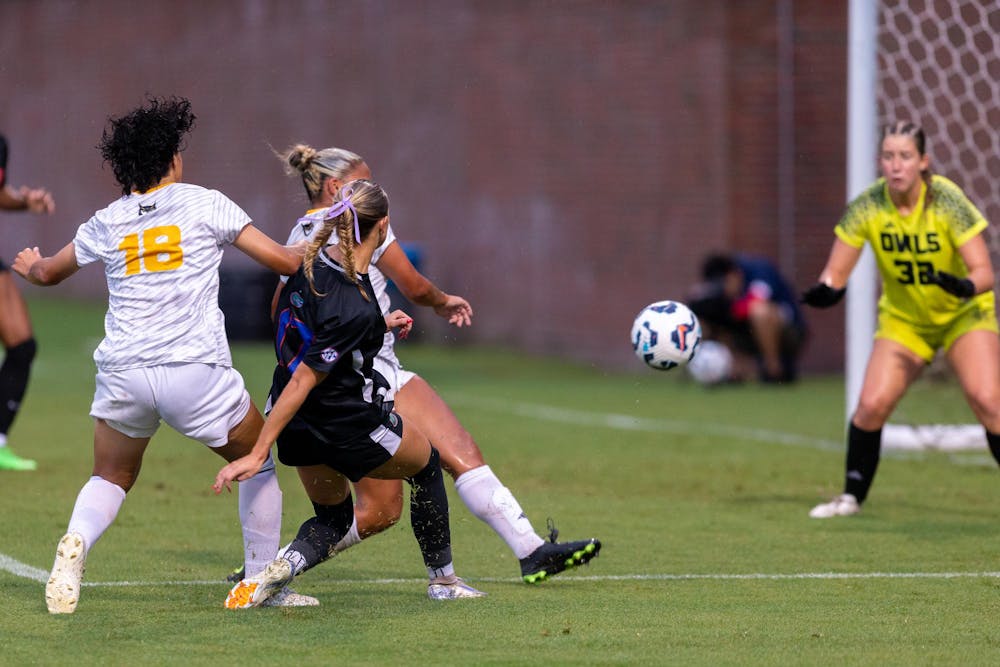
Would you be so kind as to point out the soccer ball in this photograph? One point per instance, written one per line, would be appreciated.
(712, 364)
(665, 334)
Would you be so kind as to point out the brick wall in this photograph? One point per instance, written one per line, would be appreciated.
(561, 164)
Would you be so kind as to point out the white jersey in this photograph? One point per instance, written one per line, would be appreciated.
(161, 252)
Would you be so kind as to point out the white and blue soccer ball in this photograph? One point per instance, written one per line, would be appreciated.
(665, 334)
(712, 363)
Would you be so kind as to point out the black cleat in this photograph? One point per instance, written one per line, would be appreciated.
(237, 575)
(553, 557)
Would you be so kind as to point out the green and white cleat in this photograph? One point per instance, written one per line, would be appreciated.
(11, 461)
(554, 557)
(237, 574)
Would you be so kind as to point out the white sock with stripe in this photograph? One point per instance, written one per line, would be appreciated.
(492, 502)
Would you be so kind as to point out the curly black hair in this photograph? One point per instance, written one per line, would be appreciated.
(142, 144)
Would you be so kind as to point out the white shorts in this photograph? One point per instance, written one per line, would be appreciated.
(201, 401)
(387, 364)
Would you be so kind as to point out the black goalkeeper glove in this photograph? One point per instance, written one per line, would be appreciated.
(963, 288)
(822, 295)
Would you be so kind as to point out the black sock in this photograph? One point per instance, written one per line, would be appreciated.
(993, 440)
(14, 381)
(429, 513)
(862, 461)
(318, 536)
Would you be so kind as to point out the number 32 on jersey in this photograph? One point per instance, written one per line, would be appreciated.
(159, 250)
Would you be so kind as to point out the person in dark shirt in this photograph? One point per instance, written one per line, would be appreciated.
(327, 409)
(745, 303)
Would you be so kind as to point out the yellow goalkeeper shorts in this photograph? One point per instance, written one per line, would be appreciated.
(925, 341)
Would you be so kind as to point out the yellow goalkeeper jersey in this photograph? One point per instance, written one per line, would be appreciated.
(909, 248)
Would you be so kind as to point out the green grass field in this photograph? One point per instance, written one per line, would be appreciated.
(699, 496)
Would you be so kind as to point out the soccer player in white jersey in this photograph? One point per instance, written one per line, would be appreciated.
(379, 501)
(165, 354)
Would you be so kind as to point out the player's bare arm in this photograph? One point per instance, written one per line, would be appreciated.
(843, 258)
(35, 200)
(45, 271)
(284, 260)
(418, 289)
(976, 256)
(291, 399)
(398, 318)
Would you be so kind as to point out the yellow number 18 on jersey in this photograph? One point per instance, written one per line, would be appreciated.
(160, 250)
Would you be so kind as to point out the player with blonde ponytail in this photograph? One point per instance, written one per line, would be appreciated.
(328, 411)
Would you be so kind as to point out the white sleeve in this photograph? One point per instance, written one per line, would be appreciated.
(390, 238)
(228, 219)
(87, 242)
(297, 234)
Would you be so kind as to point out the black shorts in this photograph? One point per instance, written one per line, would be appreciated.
(3, 267)
(352, 458)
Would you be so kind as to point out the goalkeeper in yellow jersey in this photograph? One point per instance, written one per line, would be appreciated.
(937, 293)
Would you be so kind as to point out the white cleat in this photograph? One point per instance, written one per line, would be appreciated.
(255, 590)
(62, 592)
(453, 591)
(843, 505)
(286, 597)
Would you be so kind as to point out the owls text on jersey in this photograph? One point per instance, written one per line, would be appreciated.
(909, 248)
(161, 252)
(338, 334)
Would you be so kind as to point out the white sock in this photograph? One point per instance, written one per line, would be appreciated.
(349, 540)
(493, 503)
(3, 439)
(294, 558)
(260, 516)
(96, 507)
(442, 574)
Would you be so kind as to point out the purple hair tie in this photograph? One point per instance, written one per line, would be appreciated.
(345, 205)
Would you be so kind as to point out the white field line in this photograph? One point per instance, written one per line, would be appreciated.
(615, 422)
(622, 422)
(20, 569)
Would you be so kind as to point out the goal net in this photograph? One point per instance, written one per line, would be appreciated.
(938, 64)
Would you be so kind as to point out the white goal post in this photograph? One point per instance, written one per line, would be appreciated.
(937, 63)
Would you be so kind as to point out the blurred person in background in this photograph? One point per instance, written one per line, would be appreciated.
(937, 294)
(744, 302)
(15, 324)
